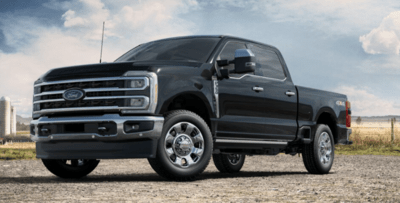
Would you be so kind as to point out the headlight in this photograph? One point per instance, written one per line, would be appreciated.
(141, 80)
(138, 83)
(139, 102)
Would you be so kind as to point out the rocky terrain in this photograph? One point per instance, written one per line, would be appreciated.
(281, 178)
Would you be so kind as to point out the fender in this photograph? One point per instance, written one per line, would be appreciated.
(169, 90)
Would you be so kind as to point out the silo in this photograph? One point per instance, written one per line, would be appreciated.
(5, 116)
(13, 122)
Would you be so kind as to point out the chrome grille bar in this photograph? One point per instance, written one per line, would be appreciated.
(93, 98)
(88, 90)
(151, 85)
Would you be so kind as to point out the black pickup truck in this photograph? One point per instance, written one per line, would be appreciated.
(180, 101)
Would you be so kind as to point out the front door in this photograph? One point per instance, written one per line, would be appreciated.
(241, 103)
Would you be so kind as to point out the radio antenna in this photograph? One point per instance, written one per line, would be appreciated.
(102, 38)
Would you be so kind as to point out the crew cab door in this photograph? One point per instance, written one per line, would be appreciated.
(280, 99)
(242, 106)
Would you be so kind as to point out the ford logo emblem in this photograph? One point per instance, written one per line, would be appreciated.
(73, 94)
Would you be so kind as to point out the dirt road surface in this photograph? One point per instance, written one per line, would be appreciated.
(281, 178)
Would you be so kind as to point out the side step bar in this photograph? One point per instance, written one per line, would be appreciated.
(250, 142)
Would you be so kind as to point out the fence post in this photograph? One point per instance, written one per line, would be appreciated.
(392, 130)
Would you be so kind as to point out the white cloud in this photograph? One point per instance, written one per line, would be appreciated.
(40, 47)
(71, 20)
(330, 16)
(384, 39)
(364, 103)
(383, 64)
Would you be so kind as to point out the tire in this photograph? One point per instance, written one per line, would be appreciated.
(229, 163)
(318, 156)
(76, 168)
(184, 148)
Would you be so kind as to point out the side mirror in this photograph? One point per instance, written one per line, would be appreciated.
(245, 61)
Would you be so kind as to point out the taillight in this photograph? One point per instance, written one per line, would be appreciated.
(348, 114)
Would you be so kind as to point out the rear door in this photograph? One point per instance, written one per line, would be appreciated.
(280, 99)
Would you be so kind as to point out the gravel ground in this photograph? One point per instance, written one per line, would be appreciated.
(281, 178)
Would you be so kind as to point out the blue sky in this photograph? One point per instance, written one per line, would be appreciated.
(345, 46)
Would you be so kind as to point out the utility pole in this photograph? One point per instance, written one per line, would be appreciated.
(102, 38)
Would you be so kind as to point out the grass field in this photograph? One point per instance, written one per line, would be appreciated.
(18, 151)
(372, 138)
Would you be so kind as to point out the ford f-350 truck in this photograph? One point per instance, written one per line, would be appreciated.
(180, 101)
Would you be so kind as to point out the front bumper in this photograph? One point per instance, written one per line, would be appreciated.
(116, 119)
(57, 143)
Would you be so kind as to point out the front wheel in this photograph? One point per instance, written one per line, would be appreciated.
(229, 163)
(184, 148)
(318, 156)
(75, 168)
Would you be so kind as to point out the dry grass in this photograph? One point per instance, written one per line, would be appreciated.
(21, 145)
(375, 130)
(372, 138)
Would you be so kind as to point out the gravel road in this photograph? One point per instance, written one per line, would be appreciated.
(281, 178)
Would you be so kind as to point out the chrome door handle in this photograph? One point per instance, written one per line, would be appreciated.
(258, 89)
(290, 93)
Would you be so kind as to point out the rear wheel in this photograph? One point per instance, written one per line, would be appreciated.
(184, 148)
(75, 168)
(229, 163)
(318, 156)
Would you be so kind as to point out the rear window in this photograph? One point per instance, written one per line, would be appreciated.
(189, 49)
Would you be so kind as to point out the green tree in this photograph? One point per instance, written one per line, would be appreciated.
(358, 121)
(22, 127)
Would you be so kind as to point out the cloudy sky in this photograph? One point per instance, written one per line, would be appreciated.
(345, 46)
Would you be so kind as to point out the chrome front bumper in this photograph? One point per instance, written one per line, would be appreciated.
(153, 134)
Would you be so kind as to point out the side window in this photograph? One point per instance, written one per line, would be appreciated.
(228, 52)
(268, 61)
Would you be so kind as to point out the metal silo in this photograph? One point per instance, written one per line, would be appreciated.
(13, 121)
(5, 116)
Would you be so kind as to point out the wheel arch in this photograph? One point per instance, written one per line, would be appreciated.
(191, 101)
(327, 116)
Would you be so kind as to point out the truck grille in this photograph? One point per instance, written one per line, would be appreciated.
(99, 94)
(83, 85)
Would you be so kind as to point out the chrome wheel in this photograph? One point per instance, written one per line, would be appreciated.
(184, 144)
(234, 158)
(324, 148)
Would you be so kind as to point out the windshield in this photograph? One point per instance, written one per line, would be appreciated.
(189, 49)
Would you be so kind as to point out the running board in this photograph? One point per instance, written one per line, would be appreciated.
(250, 142)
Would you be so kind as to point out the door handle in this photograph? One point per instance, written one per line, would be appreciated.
(258, 89)
(289, 93)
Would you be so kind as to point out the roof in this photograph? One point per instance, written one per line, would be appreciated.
(214, 36)
(4, 99)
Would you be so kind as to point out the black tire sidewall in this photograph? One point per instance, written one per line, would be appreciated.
(58, 168)
(222, 163)
(324, 168)
(208, 143)
(232, 167)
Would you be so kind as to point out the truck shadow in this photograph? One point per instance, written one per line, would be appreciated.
(144, 177)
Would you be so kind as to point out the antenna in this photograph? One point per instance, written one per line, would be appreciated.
(102, 37)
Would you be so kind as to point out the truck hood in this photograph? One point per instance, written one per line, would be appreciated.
(109, 69)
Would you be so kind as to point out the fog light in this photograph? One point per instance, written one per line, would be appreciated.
(138, 102)
(135, 127)
(138, 83)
